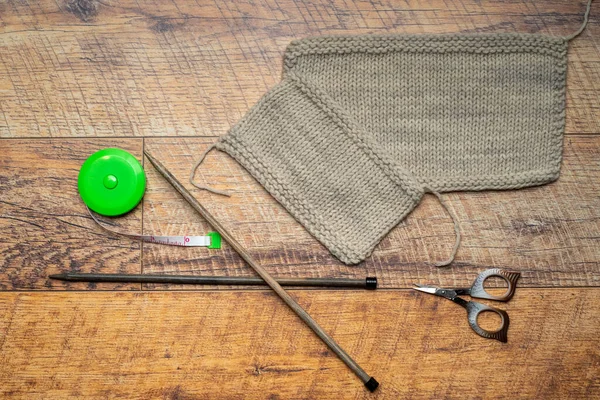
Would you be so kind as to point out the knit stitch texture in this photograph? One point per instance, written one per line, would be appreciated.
(361, 126)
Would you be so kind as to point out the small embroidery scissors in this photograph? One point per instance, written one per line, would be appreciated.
(477, 290)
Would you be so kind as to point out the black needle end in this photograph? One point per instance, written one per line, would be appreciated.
(60, 277)
(372, 384)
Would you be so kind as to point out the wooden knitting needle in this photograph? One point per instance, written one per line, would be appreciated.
(369, 381)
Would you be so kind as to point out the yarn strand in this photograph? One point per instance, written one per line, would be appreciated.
(195, 167)
(586, 18)
(456, 229)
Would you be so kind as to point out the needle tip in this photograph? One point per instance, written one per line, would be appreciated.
(157, 164)
(61, 277)
(149, 156)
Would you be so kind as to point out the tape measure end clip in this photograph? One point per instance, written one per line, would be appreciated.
(215, 240)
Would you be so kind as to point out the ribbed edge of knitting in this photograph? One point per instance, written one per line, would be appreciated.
(500, 182)
(464, 43)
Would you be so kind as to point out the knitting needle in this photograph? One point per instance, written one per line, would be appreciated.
(369, 381)
(367, 283)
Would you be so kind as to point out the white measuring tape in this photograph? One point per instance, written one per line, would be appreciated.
(212, 240)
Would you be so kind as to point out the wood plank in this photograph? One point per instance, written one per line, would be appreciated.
(44, 225)
(105, 68)
(205, 345)
(548, 233)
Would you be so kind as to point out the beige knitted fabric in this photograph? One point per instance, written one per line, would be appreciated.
(361, 126)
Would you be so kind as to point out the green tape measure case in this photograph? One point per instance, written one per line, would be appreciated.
(111, 182)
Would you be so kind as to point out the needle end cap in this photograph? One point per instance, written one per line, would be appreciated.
(371, 283)
(372, 384)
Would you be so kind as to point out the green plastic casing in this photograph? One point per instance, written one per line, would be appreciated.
(215, 240)
(111, 182)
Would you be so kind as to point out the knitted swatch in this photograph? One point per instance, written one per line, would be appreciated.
(361, 126)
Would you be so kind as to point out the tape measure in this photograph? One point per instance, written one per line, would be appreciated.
(112, 182)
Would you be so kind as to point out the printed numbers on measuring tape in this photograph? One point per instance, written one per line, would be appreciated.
(212, 240)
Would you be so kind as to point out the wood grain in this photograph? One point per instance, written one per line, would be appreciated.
(115, 72)
(548, 233)
(108, 68)
(44, 225)
(207, 345)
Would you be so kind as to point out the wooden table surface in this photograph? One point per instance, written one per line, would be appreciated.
(170, 77)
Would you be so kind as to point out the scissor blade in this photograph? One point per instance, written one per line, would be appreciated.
(426, 289)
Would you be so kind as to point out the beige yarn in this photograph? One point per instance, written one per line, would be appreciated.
(360, 127)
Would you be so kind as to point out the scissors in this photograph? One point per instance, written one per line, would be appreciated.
(477, 290)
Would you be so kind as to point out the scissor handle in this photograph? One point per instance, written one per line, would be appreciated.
(473, 311)
(511, 278)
